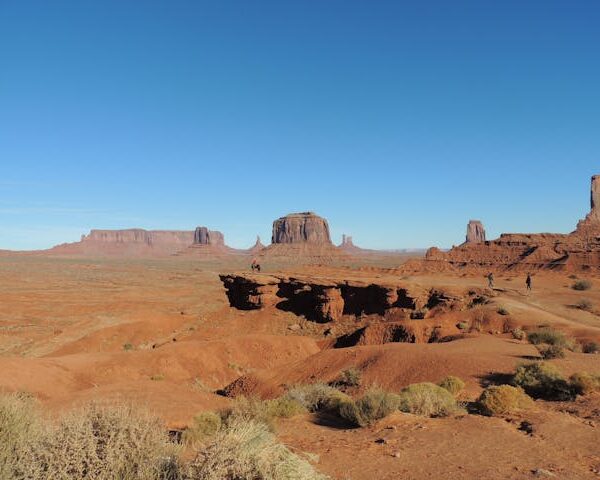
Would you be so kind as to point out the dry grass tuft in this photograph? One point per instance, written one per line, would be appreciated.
(374, 405)
(453, 384)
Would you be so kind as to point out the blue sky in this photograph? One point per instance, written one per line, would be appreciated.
(398, 121)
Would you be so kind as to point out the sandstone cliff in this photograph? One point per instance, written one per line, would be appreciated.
(306, 227)
(204, 236)
(475, 232)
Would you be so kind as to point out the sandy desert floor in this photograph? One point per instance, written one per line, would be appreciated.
(161, 333)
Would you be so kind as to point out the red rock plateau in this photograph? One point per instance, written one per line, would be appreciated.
(578, 251)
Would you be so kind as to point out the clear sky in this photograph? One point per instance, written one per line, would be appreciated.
(397, 120)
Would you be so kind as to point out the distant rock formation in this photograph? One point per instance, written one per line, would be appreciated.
(475, 232)
(129, 242)
(577, 251)
(591, 223)
(257, 247)
(305, 227)
(204, 236)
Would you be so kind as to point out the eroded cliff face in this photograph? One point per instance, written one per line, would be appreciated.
(475, 232)
(204, 236)
(328, 300)
(577, 251)
(138, 235)
(305, 227)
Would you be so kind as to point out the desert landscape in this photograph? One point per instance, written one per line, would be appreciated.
(339, 350)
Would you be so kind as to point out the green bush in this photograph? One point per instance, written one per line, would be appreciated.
(502, 400)
(548, 352)
(205, 425)
(583, 383)
(264, 411)
(453, 384)
(317, 397)
(542, 380)
(374, 405)
(246, 449)
(581, 285)
(427, 399)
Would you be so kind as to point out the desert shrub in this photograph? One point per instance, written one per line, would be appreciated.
(102, 443)
(462, 325)
(480, 300)
(548, 352)
(502, 400)
(453, 384)
(502, 311)
(518, 333)
(157, 377)
(583, 383)
(585, 304)
(427, 399)
(205, 425)
(418, 314)
(591, 347)
(374, 405)
(350, 377)
(246, 449)
(581, 285)
(542, 380)
(284, 407)
(547, 336)
(127, 347)
(317, 397)
(20, 427)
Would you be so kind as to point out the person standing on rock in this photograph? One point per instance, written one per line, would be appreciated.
(528, 282)
(490, 278)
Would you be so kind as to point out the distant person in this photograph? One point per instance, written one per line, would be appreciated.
(528, 282)
(490, 278)
(254, 264)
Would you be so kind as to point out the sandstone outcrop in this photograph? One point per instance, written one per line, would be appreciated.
(475, 232)
(204, 236)
(129, 242)
(577, 251)
(301, 238)
(329, 299)
(305, 227)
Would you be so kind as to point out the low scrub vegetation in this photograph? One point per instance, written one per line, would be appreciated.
(350, 377)
(543, 380)
(246, 449)
(205, 425)
(453, 384)
(581, 285)
(549, 352)
(374, 405)
(317, 397)
(502, 400)
(502, 311)
(583, 383)
(591, 347)
(585, 305)
(518, 333)
(427, 399)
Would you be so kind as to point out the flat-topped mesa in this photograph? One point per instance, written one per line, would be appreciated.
(139, 235)
(475, 232)
(305, 227)
(204, 236)
(346, 241)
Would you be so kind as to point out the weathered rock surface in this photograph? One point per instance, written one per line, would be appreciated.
(257, 247)
(128, 242)
(475, 232)
(306, 227)
(577, 251)
(204, 236)
(329, 299)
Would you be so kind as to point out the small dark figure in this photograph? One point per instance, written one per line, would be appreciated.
(490, 278)
(528, 282)
(255, 266)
